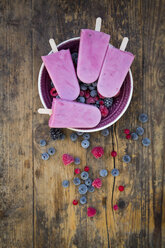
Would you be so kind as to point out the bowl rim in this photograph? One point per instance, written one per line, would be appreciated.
(85, 130)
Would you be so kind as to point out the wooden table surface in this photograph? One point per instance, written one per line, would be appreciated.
(35, 211)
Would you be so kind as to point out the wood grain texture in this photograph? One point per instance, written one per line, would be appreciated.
(35, 211)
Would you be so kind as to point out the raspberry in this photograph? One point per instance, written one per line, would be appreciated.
(104, 111)
(91, 212)
(97, 151)
(115, 207)
(96, 98)
(97, 183)
(87, 94)
(113, 154)
(121, 188)
(75, 202)
(53, 92)
(67, 159)
(82, 93)
(86, 168)
(128, 136)
(90, 100)
(126, 131)
(77, 171)
(101, 102)
(102, 97)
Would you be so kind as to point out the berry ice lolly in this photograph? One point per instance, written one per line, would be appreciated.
(92, 50)
(67, 114)
(62, 73)
(114, 70)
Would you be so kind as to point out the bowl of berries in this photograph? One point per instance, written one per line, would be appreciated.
(111, 108)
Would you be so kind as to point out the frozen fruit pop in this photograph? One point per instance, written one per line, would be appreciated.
(61, 70)
(65, 114)
(114, 70)
(92, 50)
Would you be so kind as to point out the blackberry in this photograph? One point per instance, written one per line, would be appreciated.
(56, 134)
(108, 102)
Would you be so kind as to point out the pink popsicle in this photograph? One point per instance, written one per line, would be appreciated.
(67, 114)
(62, 73)
(92, 50)
(114, 70)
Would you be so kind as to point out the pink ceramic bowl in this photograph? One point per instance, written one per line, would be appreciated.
(120, 103)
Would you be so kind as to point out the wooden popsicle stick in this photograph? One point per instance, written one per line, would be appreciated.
(45, 111)
(53, 45)
(98, 24)
(124, 43)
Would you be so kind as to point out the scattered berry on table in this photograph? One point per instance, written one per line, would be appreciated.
(93, 93)
(77, 160)
(115, 172)
(115, 207)
(88, 181)
(104, 111)
(128, 136)
(63, 137)
(121, 204)
(114, 154)
(105, 132)
(146, 142)
(143, 118)
(65, 183)
(81, 99)
(83, 87)
(97, 151)
(53, 92)
(91, 188)
(85, 144)
(82, 93)
(90, 100)
(77, 171)
(126, 131)
(67, 159)
(97, 183)
(86, 168)
(108, 102)
(103, 173)
(83, 200)
(91, 212)
(126, 159)
(45, 156)
(51, 151)
(73, 136)
(82, 189)
(42, 143)
(79, 133)
(76, 181)
(134, 136)
(75, 202)
(56, 133)
(140, 131)
(86, 136)
(121, 188)
(84, 175)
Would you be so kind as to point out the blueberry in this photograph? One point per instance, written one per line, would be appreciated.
(85, 144)
(143, 118)
(76, 181)
(42, 143)
(45, 156)
(126, 159)
(105, 132)
(83, 87)
(52, 85)
(74, 56)
(134, 136)
(57, 97)
(62, 137)
(91, 87)
(84, 175)
(88, 181)
(91, 189)
(81, 99)
(75, 61)
(83, 200)
(82, 189)
(73, 136)
(79, 133)
(51, 151)
(146, 142)
(77, 160)
(86, 136)
(93, 93)
(65, 183)
(139, 131)
(94, 84)
(115, 172)
(103, 173)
